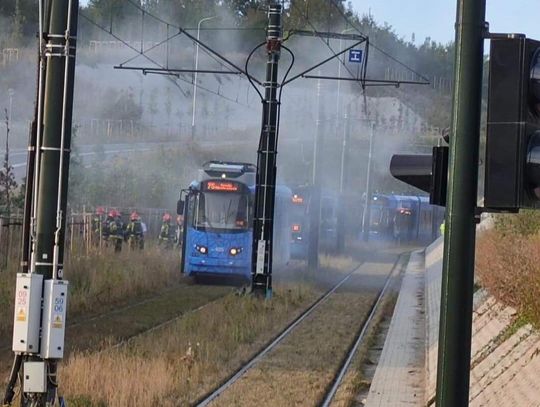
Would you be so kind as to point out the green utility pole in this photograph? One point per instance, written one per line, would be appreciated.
(458, 262)
(55, 143)
(58, 30)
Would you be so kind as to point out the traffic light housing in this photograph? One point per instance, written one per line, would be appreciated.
(512, 176)
(426, 172)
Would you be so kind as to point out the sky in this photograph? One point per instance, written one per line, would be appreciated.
(436, 18)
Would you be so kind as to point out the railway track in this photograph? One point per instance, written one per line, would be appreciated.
(361, 336)
(347, 359)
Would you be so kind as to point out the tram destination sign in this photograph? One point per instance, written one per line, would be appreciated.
(221, 186)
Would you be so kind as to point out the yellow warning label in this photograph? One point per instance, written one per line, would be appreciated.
(57, 321)
(21, 315)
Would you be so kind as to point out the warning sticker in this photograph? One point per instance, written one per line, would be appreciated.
(57, 321)
(21, 315)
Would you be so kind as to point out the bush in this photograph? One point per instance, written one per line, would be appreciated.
(525, 223)
(508, 266)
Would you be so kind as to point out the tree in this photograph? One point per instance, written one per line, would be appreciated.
(7, 177)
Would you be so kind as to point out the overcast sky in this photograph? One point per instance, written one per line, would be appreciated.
(436, 18)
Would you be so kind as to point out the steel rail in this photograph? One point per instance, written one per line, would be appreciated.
(366, 324)
(207, 399)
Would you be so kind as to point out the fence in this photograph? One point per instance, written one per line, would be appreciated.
(80, 239)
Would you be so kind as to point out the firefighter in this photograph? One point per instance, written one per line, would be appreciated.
(115, 230)
(135, 232)
(166, 234)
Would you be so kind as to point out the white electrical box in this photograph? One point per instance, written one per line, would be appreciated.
(27, 312)
(54, 319)
(35, 377)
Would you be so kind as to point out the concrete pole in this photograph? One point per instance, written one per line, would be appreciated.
(458, 262)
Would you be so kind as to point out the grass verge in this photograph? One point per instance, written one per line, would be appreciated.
(186, 359)
(101, 283)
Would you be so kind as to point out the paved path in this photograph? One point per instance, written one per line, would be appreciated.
(399, 378)
(505, 356)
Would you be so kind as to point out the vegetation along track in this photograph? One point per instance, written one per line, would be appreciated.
(115, 327)
(309, 346)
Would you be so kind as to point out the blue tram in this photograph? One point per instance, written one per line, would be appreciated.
(404, 218)
(218, 222)
(300, 216)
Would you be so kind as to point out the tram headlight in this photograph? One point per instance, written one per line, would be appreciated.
(234, 251)
(201, 249)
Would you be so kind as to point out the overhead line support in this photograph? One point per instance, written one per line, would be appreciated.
(266, 161)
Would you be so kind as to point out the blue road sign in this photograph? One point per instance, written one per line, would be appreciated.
(355, 55)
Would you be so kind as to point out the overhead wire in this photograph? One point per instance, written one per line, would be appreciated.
(325, 42)
(281, 89)
(159, 65)
(404, 65)
(201, 44)
(112, 34)
(169, 24)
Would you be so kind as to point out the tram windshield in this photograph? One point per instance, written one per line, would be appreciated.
(219, 211)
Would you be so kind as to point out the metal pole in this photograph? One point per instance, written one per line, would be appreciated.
(315, 196)
(266, 162)
(52, 154)
(11, 92)
(458, 262)
(367, 208)
(343, 169)
(338, 104)
(195, 76)
(344, 146)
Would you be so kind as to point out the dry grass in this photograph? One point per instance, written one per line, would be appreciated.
(355, 380)
(339, 263)
(177, 365)
(7, 295)
(99, 283)
(103, 281)
(299, 370)
(508, 266)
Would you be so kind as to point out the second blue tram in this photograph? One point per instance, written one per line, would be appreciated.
(218, 222)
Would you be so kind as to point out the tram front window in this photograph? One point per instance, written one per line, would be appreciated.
(218, 211)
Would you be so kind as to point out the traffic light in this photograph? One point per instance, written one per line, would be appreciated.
(512, 176)
(426, 172)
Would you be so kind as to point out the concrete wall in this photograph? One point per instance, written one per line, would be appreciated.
(505, 356)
